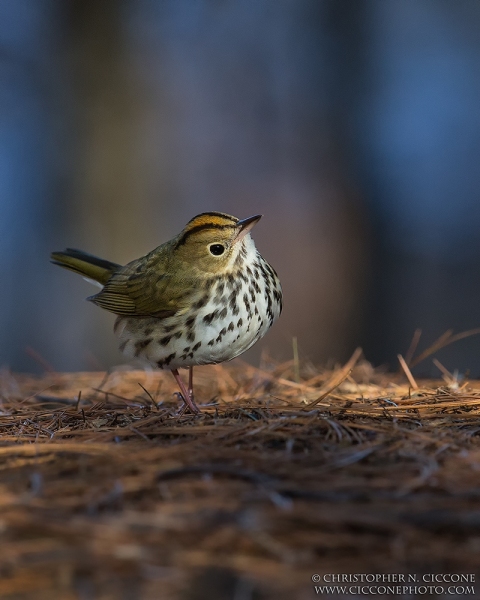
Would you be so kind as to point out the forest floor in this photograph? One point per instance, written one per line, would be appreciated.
(288, 476)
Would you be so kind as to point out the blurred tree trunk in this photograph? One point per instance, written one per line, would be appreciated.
(108, 187)
(108, 197)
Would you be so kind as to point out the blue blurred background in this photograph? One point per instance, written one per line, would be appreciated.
(353, 126)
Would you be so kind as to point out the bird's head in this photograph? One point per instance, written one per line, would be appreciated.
(214, 242)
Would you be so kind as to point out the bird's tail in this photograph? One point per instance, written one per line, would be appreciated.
(86, 264)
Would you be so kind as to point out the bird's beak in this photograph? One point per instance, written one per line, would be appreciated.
(244, 226)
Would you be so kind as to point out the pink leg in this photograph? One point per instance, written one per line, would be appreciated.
(185, 394)
(190, 384)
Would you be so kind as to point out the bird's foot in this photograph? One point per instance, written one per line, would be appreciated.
(186, 395)
(187, 405)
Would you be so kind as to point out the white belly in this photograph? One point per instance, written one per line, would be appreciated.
(237, 314)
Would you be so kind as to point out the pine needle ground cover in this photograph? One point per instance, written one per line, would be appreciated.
(106, 492)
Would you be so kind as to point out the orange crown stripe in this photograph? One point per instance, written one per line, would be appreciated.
(210, 219)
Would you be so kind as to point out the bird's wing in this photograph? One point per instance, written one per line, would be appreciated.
(142, 288)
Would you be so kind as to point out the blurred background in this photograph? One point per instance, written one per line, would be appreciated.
(353, 126)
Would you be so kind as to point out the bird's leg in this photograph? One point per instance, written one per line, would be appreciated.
(185, 394)
(190, 384)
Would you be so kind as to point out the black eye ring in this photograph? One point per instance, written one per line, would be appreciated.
(217, 249)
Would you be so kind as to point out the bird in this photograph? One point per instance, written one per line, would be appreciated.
(204, 297)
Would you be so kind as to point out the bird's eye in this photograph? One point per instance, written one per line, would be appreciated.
(216, 249)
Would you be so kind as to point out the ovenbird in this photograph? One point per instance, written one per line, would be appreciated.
(203, 297)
